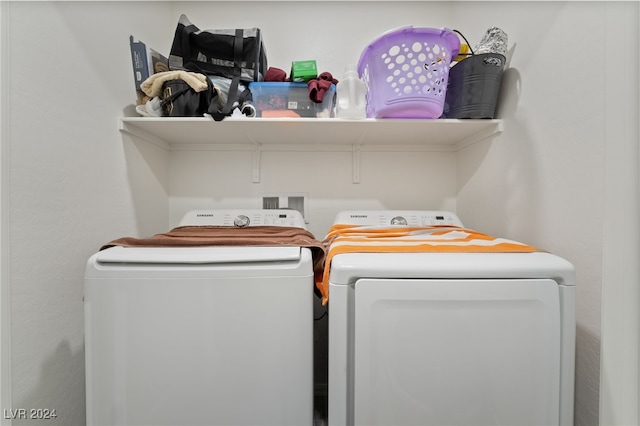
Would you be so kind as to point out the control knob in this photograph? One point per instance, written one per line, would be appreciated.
(241, 221)
(398, 220)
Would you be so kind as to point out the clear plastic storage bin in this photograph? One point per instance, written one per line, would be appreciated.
(278, 99)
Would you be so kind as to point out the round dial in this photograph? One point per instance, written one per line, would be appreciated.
(398, 220)
(241, 221)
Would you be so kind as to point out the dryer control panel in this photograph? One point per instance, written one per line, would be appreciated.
(241, 218)
(397, 217)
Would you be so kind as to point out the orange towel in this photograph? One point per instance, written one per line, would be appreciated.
(404, 239)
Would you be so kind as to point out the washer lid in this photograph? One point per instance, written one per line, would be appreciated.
(197, 255)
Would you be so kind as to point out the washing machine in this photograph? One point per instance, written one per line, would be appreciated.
(214, 335)
(448, 338)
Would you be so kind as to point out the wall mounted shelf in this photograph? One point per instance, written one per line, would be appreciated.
(309, 134)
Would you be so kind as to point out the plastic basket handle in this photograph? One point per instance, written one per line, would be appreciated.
(453, 41)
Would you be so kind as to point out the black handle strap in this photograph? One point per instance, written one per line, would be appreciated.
(167, 102)
(232, 96)
(186, 42)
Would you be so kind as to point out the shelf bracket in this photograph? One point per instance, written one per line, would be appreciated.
(255, 162)
(130, 130)
(356, 149)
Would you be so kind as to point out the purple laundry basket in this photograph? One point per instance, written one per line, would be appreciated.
(406, 72)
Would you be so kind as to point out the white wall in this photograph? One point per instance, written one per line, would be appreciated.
(75, 182)
(70, 181)
(620, 355)
(5, 318)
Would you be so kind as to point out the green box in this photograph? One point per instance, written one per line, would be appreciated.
(303, 71)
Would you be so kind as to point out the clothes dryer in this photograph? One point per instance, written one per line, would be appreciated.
(446, 337)
(194, 335)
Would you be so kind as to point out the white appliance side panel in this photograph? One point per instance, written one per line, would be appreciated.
(201, 351)
(340, 396)
(456, 352)
(568, 360)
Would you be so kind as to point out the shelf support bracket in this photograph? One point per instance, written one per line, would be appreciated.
(356, 149)
(255, 161)
(145, 136)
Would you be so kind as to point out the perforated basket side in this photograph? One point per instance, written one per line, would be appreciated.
(406, 71)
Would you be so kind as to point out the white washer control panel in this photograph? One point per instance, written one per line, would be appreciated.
(397, 218)
(243, 218)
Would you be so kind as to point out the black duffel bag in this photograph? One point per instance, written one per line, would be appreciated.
(180, 100)
(237, 54)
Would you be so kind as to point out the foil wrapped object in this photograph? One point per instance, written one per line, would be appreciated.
(494, 41)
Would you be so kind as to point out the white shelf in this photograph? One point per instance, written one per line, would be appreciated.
(186, 133)
(309, 134)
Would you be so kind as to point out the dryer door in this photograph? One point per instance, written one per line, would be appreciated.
(456, 352)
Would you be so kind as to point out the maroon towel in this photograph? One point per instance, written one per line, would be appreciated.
(319, 86)
(275, 74)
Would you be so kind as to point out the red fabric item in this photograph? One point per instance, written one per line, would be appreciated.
(275, 74)
(318, 87)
